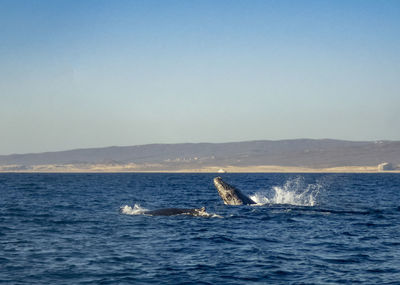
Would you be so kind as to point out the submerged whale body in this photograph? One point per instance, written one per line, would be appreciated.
(230, 195)
(177, 211)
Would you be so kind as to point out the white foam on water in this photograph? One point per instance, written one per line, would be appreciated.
(136, 210)
(293, 192)
(208, 215)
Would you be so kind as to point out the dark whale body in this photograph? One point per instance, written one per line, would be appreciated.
(176, 211)
(230, 195)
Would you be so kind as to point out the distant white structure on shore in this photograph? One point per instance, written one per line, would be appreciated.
(221, 170)
(385, 166)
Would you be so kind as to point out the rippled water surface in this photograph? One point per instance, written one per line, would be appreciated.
(305, 229)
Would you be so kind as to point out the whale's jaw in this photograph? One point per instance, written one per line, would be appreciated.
(229, 194)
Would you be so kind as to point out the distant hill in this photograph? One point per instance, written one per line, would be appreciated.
(294, 153)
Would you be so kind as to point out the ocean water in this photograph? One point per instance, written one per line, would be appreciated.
(305, 229)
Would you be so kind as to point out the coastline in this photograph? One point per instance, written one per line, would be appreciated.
(131, 168)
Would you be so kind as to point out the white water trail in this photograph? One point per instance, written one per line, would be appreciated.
(293, 192)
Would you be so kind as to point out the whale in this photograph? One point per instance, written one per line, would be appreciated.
(177, 211)
(230, 195)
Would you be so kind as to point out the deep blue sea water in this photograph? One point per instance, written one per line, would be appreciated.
(306, 229)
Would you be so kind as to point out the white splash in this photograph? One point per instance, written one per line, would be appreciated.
(260, 199)
(293, 192)
(136, 210)
(208, 215)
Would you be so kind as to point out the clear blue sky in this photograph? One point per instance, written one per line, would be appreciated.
(76, 74)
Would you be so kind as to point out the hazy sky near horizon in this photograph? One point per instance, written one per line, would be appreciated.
(77, 74)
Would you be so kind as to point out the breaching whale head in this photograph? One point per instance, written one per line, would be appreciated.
(230, 195)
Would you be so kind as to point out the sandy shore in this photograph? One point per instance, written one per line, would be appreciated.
(284, 169)
(103, 168)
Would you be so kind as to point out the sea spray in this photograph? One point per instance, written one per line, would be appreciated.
(294, 192)
(135, 210)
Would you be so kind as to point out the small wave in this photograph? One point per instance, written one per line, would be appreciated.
(293, 192)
